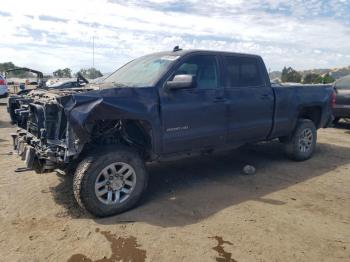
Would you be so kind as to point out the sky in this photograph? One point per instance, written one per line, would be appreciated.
(47, 35)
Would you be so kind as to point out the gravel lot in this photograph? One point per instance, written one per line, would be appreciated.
(198, 209)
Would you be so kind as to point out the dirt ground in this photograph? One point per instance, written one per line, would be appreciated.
(198, 209)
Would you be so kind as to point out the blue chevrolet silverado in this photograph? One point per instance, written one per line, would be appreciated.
(164, 106)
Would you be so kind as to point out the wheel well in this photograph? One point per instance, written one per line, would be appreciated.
(135, 133)
(311, 113)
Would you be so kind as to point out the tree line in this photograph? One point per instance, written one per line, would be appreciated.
(19, 73)
(90, 73)
(291, 75)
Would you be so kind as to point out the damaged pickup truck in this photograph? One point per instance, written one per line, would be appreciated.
(163, 106)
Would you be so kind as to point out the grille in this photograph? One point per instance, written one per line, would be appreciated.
(36, 119)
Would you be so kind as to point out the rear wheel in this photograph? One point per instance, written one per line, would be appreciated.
(302, 143)
(108, 183)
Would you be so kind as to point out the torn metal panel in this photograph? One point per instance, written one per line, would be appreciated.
(82, 110)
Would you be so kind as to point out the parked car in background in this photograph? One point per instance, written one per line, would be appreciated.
(4, 91)
(342, 104)
(67, 84)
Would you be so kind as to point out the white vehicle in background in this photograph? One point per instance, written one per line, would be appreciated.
(4, 91)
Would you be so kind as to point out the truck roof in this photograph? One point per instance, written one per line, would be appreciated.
(182, 52)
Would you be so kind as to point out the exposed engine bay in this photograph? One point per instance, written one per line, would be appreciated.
(43, 138)
(52, 135)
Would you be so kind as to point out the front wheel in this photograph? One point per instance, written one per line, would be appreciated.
(301, 145)
(110, 182)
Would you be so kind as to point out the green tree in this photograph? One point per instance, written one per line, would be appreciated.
(328, 79)
(18, 73)
(6, 66)
(90, 73)
(58, 73)
(290, 75)
(313, 78)
(66, 72)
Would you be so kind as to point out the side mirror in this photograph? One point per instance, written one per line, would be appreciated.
(181, 81)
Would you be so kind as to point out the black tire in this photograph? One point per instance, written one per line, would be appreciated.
(87, 173)
(296, 148)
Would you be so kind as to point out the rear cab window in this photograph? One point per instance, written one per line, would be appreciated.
(243, 71)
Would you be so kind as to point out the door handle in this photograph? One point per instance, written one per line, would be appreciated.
(265, 96)
(219, 99)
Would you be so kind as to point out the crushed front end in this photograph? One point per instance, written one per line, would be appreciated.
(59, 124)
(46, 142)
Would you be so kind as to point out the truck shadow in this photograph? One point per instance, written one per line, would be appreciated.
(188, 191)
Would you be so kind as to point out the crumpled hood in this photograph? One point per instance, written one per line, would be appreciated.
(83, 109)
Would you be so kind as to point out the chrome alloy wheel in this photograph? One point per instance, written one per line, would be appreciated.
(305, 140)
(115, 183)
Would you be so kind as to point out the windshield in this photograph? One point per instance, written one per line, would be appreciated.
(141, 72)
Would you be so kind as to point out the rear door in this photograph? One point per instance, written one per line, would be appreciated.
(194, 118)
(250, 99)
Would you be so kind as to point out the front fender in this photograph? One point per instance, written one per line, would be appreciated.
(83, 110)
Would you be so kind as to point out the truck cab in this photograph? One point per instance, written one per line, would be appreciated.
(228, 102)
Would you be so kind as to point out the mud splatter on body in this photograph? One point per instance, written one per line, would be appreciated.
(223, 255)
(123, 249)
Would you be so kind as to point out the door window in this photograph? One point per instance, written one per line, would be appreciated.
(243, 72)
(204, 68)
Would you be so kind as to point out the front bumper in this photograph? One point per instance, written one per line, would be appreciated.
(36, 154)
(42, 154)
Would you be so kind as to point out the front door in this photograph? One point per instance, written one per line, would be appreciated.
(194, 118)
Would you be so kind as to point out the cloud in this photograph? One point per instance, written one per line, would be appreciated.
(47, 36)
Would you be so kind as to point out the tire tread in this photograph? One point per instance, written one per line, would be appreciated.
(89, 163)
(290, 145)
